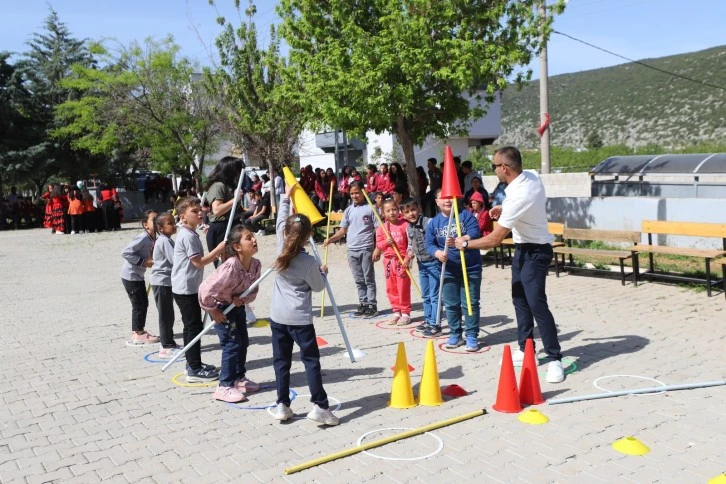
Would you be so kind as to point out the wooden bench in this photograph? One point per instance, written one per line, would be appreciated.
(554, 228)
(722, 262)
(687, 229)
(612, 236)
(335, 219)
(270, 221)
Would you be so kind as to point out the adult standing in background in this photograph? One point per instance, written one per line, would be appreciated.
(221, 197)
(429, 201)
(279, 188)
(108, 198)
(469, 174)
(523, 212)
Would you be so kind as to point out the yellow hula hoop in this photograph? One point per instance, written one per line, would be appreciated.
(175, 381)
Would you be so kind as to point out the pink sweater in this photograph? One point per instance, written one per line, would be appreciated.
(398, 234)
(229, 281)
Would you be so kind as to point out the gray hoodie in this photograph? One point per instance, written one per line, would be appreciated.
(292, 302)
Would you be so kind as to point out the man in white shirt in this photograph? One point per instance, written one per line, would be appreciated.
(279, 188)
(523, 212)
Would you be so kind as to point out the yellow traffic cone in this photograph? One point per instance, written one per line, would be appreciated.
(300, 199)
(721, 479)
(429, 392)
(401, 392)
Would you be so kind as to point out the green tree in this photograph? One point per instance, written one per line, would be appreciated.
(146, 104)
(593, 140)
(261, 113)
(13, 123)
(415, 68)
(42, 69)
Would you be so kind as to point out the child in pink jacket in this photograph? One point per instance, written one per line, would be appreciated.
(398, 285)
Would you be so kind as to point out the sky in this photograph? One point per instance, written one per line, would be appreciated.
(638, 29)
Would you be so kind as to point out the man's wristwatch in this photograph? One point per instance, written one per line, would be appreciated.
(465, 244)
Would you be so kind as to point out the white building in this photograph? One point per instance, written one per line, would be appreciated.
(318, 149)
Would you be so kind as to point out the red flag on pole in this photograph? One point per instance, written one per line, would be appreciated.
(450, 184)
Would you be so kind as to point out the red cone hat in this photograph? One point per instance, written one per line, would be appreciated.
(450, 184)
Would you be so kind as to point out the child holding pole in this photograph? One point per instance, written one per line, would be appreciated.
(161, 282)
(358, 227)
(137, 257)
(398, 285)
(291, 314)
(440, 236)
(218, 291)
(429, 268)
(186, 277)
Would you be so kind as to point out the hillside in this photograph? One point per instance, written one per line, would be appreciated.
(627, 104)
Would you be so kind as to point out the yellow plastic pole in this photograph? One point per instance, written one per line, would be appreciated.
(327, 234)
(388, 235)
(387, 440)
(461, 257)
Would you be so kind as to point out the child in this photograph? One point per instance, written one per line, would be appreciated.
(439, 244)
(429, 269)
(75, 211)
(480, 210)
(291, 315)
(398, 285)
(218, 291)
(378, 198)
(137, 257)
(89, 212)
(161, 282)
(186, 276)
(358, 226)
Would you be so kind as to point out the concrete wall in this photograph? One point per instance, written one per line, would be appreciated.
(135, 206)
(627, 213)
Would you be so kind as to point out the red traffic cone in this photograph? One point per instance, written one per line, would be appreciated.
(507, 394)
(450, 184)
(529, 390)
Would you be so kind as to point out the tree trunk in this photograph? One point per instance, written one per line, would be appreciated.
(406, 143)
(273, 198)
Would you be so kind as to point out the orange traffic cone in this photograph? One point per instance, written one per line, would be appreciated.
(529, 390)
(507, 394)
(450, 187)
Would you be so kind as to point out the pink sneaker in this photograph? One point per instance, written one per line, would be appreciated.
(246, 386)
(143, 338)
(168, 353)
(229, 395)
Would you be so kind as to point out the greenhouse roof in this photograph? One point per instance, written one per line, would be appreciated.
(695, 164)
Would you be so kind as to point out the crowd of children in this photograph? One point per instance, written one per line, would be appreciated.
(393, 230)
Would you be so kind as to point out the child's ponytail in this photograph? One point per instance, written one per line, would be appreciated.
(298, 230)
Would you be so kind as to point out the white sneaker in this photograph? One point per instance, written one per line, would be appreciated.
(517, 357)
(555, 372)
(260, 233)
(283, 412)
(250, 315)
(73, 232)
(323, 415)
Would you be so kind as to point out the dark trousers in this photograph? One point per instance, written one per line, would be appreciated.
(234, 340)
(529, 274)
(253, 223)
(191, 314)
(89, 221)
(215, 235)
(165, 307)
(77, 223)
(109, 215)
(283, 337)
(139, 303)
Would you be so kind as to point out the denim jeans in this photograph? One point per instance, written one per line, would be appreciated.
(428, 274)
(283, 337)
(234, 340)
(529, 274)
(454, 300)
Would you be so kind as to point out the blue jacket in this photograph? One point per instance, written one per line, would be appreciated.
(436, 240)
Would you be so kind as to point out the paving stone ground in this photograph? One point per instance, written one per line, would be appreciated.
(78, 405)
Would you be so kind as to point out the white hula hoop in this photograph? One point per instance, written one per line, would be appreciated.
(434, 436)
(594, 383)
(337, 403)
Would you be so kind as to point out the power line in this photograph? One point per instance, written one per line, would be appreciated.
(674, 74)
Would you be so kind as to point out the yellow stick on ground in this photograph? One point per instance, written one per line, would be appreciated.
(327, 234)
(387, 440)
(398, 254)
(461, 257)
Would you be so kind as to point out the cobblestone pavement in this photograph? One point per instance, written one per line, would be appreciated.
(78, 405)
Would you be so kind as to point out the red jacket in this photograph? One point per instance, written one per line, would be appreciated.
(398, 234)
(486, 225)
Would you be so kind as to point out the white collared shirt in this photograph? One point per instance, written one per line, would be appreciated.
(524, 212)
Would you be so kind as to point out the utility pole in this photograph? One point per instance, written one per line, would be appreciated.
(335, 162)
(543, 97)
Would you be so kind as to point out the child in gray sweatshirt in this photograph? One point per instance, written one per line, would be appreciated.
(299, 274)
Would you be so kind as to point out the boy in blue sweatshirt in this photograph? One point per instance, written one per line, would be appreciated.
(440, 244)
